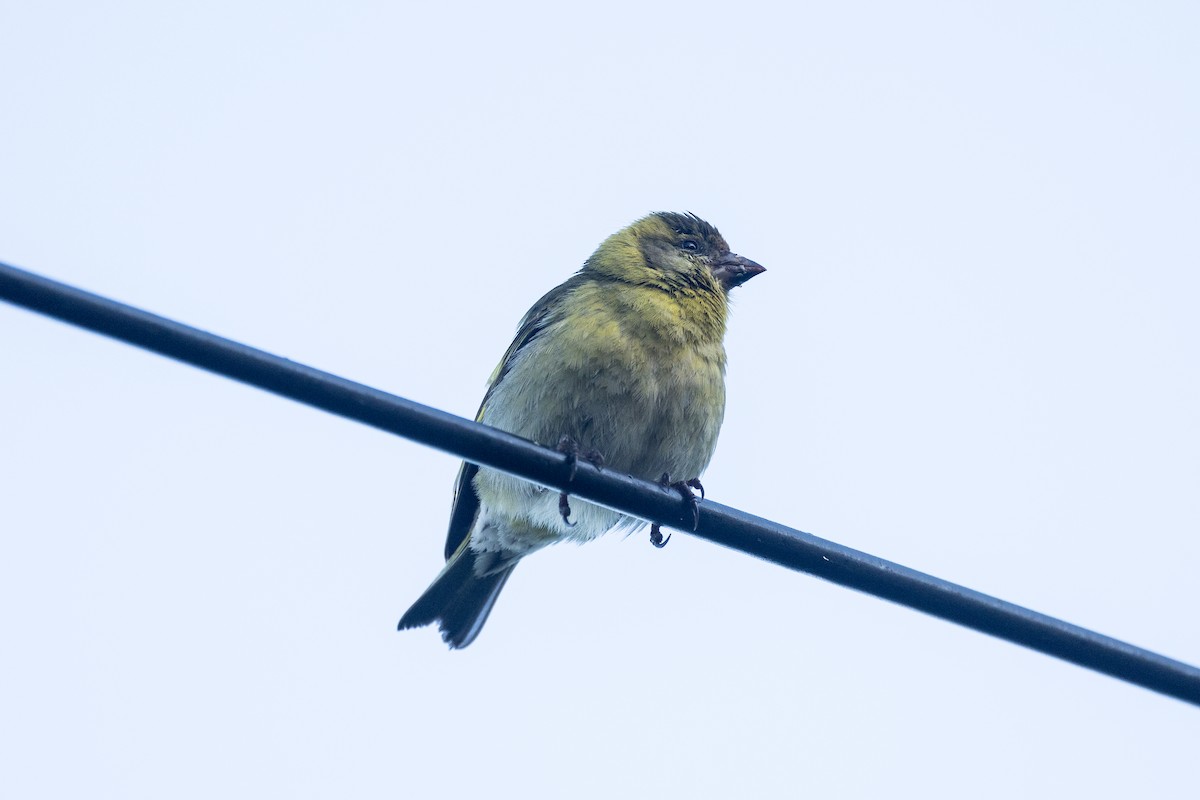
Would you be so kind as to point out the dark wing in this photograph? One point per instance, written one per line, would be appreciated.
(465, 506)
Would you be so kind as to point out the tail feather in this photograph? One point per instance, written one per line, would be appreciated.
(459, 600)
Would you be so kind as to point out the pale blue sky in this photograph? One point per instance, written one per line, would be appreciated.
(975, 353)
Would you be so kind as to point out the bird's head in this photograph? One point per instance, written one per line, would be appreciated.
(668, 250)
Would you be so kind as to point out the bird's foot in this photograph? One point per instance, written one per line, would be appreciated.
(564, 509)
(570, 448)
(689, 497)
(685, 489)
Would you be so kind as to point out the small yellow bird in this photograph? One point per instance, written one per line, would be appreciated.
(625, 363)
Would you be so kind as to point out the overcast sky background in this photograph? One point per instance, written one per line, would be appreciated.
(975, 353)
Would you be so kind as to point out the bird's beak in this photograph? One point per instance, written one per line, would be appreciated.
(733, 270)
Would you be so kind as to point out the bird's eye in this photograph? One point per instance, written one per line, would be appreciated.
(688, 244)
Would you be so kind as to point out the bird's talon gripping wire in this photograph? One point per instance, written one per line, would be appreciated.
(689, 497)
(685, 489)
(570, 448)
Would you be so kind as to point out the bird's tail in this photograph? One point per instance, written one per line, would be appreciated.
(459, 599)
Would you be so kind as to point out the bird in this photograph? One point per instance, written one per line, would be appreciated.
(623, 364)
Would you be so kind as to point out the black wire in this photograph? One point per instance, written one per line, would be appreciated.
(483, 445)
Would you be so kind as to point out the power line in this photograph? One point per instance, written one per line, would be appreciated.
(480, 444)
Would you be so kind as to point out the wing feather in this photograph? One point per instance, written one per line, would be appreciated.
(465, 506)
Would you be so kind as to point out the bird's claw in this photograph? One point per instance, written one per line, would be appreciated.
(685, 489)
(689, 497)
(570, 448)
(564, 509)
